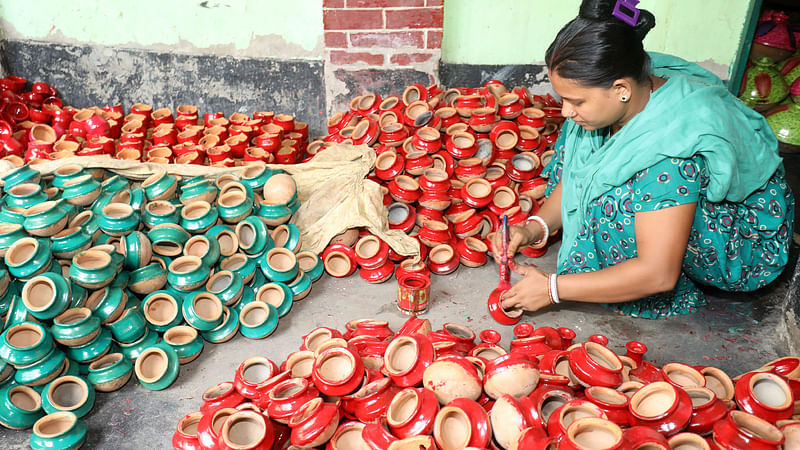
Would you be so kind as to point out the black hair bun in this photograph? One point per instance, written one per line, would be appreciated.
(602, 10)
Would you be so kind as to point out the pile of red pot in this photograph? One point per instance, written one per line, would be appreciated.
(35, 125)
(451, 163)
(375, 389)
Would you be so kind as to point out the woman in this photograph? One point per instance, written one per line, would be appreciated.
(661, 179)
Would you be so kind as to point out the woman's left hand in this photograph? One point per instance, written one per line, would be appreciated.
(529, 293)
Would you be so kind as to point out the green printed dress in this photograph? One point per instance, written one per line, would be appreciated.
(734, 246)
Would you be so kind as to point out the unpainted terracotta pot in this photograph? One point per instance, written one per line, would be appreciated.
(279, 189)
(347, 237)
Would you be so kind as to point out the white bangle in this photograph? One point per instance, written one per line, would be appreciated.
(545, 228)
(554, 287)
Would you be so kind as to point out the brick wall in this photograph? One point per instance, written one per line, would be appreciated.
(377, 44)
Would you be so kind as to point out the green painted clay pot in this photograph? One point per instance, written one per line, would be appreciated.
(278, 295)
(92, 350)
(160, 212)
(763, 86)
(255, 175)
(87, 220)
(248, 296)
(109, 373)
(92, 269)
(20, 407)
(287, 236)
(227, 286)
(25, 343)
(46, 295)
(66, 173)
(147, 279)
(24, 174)
(199, 190)
(168, 239)
(43, 371)
(68, 242)
(130, 326)
(81, 191)
(225, 237)
(134, 349)
(202, 310)
(136, 249)
(279, 264)
(79, 295)
(204, 248)
(226, 330)
(160, 186)
(785, 122)
(258, 320)
(75, 326)
(162, 311)
(24, 196)
(310, 264)
(274, 215)
(45, 219)
(10, 233)
(239, 262)
(28, 257)
(300, 286)
(61, 430)
(187, 273)
(12, 215)
(17, 312)
(235, 202)
(114, 184)
(198, 217)
(157, 367)
(186, 341)
(136, 199)
(118, 219)
(69, 394)
(107, 304)
(253, 236)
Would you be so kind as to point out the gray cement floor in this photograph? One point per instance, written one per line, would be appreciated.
(734, 334)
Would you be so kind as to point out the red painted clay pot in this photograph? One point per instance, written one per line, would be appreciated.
(407, 357)
(740, 430)
(412, 412)
(661, 406)
(221, 395)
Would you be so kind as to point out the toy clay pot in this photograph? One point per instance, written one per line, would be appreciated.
(412, 412)
(288, 396)
(68, 393)
(62, 430)
(314, 423)
(661, 406)
(593, 432)
(765, 395)
(246, 430)
(407, 357)
(743, 430)
(252, 372)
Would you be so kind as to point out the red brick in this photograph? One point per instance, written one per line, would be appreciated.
(434, 39)
(333, 4)
(353, 19)
(342, 58)
(414, 18)
(435, 2)
(404, 59)
(335, 39)
(383, 3)
(394, 39)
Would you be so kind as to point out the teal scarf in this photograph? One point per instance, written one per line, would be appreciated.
(692, 114)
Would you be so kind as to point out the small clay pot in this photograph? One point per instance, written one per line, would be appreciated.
(246, 430)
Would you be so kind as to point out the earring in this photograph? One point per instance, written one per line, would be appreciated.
(624, 99)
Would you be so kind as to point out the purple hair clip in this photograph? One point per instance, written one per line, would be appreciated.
(630, 14)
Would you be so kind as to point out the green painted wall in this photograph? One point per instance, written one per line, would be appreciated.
(519, 32)
(257, 28)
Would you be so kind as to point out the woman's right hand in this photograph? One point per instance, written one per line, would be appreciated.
(518, 237)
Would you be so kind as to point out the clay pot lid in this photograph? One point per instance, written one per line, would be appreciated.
(67, 393)
(54, 424)
(160, 308)
(180, 335)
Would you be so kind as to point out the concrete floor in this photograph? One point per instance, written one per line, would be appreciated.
(735, 334)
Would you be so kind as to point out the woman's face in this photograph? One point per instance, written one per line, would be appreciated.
(590, 107)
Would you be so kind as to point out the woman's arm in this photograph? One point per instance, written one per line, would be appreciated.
(661, 239)
(522, 235)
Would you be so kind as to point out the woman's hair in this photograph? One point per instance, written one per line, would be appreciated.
(596, 49)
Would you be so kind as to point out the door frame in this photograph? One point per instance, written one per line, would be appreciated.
(745, 42)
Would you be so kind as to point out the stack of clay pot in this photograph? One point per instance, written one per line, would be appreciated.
(451, 163)
(375, 389)
(144, 134)
(102, 279)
